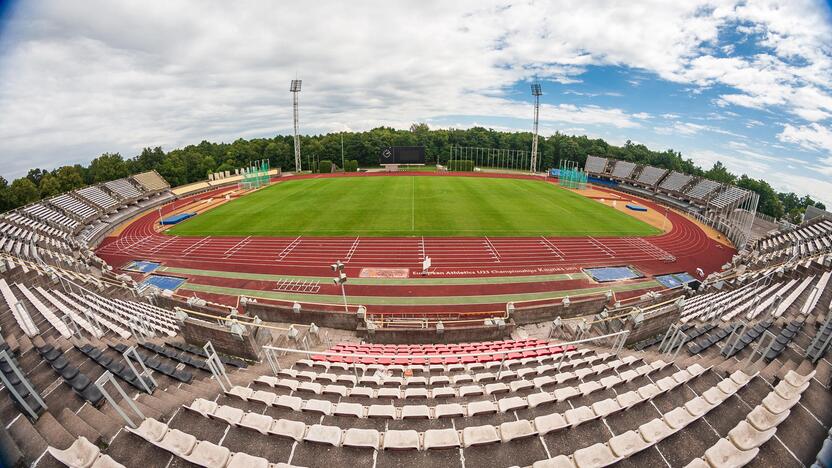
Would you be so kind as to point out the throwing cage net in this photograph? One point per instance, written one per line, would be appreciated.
(256, 175)
(570, 175)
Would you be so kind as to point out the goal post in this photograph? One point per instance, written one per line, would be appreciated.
(570, 175)
(256, 175)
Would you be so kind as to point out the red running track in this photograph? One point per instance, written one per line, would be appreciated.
(685, 248)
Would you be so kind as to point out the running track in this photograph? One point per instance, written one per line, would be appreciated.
(685, 248)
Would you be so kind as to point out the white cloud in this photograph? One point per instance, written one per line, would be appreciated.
(813, 136)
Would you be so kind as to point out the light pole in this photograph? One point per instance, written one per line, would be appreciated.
(340, 280)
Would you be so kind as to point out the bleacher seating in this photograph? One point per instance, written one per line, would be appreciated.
(595, 165)
(74, 207)
(650, 175)
(703, 188)
(151, 181)
(95, 196)
(675, 181)
(623, 169)
(123, 189)
(729, 196)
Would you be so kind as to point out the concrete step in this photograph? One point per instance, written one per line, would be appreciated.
(10, 454)
(28, 439)
(77, 426)
(784, 369)
(53, 432)
(160, 401)
(107, 426)
(806, 367)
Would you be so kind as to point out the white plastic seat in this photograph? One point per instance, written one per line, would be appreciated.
(594, 455)
(479, 435)
(726, 454)
(678, 417)
(626, 444)
(728, 386)
(579, 415)
(389, 392)
(606, 407)
(348, 379)
(762, 419)
(514, 430)
(461, 379)
(496, 388)
(610, 381)
(333, 389)
(511, 403)
(565, 393)
(777, 404)
(468, 390)
(628, 375)
(714, 395)
(348, 409)
(655, 430)
(415, 393)
(666, 384)
(415, 412)
(150, 430)
(267, 398)
(481, 407)
(560, 461)
(746, 437)
(244, 460)
(788, 391)
(550, 423)
(82, 453)
(649, 391)
(202, 406)
(229, 414)
(401, 440)
(178, 442)
(209, 455)
(539, 398)
(565, 377)
(442, 392)
(329, 435)
(361, 391)
(288, 384)
(584, 372)
(362, 438)
(589, 387)
(740, 378)
(544, 381)
(628, 399)
(240, 392)
(311, 387)
(289, 429)
(258, 422)
(381, 411)
(681, 376)
(698, 406)
(290, 402)
(441, 439)
(267, 380)
(797, 380)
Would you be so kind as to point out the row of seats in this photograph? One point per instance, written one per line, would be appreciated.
(449, 438)
(116, 367)
(181, 356)
(70, 374)
(227, 360)
(155, 363)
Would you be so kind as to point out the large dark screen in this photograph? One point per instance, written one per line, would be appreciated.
(402, 155)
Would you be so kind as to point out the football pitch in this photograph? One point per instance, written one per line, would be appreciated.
(413, 206)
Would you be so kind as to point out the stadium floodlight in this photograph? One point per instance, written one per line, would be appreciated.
(536, 92)
(341, 280)
(294, 88)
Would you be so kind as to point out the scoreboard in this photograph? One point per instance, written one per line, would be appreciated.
(402, 155)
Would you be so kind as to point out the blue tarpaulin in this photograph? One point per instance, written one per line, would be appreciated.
(636, 207)
(176, 218)
(674, 280)
(606, 274)
(141, 266)
(163, 282)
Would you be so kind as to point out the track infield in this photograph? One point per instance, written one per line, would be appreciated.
(413, 206)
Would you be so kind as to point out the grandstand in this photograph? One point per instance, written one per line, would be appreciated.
(99, 371)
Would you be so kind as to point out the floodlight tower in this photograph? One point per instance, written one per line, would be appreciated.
(294, 87)
(536, 92)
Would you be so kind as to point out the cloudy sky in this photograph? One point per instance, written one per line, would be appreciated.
(748, 83)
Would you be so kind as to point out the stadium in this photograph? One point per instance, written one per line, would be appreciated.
(448, 297)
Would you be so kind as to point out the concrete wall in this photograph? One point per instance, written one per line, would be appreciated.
(429, 335)
(285, 314)
(656, 323)
(543, 313)
(198, 332)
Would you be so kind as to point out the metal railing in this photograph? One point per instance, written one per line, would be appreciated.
(4, 356)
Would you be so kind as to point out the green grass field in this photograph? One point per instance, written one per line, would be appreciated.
(413, 206)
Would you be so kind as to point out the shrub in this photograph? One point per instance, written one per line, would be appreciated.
(465, 165)
(351, 165)
(325, 166)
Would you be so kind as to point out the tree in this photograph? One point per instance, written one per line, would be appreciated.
(5, 201)
(35, 175)
(719, 173)
(107, 167)
(23, 191)
(69, 178)
(49, 186)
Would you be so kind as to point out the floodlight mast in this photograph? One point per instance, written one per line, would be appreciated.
(536, 92)
(294, 87)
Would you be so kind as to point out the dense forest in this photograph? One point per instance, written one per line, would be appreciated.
(192, 163)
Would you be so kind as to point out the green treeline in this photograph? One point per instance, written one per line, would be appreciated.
(193, 162)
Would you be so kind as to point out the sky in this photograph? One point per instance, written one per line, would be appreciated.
(748, 83)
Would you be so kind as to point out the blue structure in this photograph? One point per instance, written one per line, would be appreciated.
(176, 218)
(636, 207)
(607, 274)
(142, 266)
(163, 282)
(674, 280)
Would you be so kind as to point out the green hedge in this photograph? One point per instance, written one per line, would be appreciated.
(351, 165)
(325, 166)
(461, 165)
